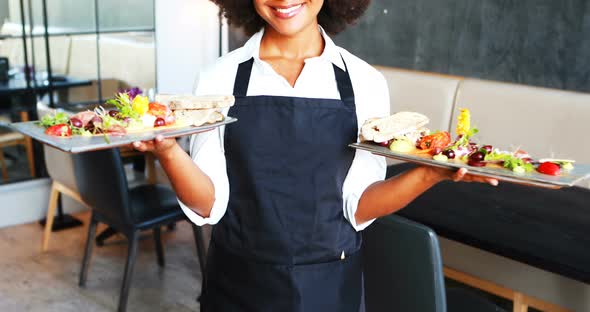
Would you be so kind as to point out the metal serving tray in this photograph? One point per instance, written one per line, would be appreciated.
(566, 178)
(79, 144)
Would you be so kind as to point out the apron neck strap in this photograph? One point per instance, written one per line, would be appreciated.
(342, 80)
(243, 78)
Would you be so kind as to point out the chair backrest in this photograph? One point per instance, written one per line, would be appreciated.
(102, 184)
(402, 267)
(60, 167)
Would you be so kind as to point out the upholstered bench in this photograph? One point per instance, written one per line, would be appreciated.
(539, 227)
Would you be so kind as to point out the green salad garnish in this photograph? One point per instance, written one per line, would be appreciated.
(124, 104)
(510, 161)
(53, 119)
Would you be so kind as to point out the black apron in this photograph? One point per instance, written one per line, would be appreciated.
(283, 243)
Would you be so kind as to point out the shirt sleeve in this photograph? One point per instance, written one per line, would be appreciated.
(366, 167)
(206, 150)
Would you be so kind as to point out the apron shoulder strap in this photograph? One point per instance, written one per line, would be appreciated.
(243, 78)
(344, 82)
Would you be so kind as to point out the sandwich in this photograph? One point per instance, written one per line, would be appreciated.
(196, 110)
(407, 126)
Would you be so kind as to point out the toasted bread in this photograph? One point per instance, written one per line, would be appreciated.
(384, 129)
(197, 117)
(191, 102)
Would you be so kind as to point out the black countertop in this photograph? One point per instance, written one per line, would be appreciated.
(548, 229)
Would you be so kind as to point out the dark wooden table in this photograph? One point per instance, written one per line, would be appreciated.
(16, 96)
(18, 86)
(548, 229)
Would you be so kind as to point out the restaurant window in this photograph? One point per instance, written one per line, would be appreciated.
(103, 46)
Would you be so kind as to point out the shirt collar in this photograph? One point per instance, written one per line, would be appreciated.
(331, 52)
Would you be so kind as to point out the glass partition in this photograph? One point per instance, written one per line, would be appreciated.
(105, 45)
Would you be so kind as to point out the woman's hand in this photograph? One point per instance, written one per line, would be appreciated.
(158, 146)
(461, 175)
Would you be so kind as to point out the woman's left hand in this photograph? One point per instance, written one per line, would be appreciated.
(461, 175)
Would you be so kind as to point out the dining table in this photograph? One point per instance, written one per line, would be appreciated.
(26, 92)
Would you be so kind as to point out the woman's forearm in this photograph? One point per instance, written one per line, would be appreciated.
(192, 186)
(385, 197)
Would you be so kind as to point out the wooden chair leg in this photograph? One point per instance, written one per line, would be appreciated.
(201, 254)
(88, 251)
(28, 142)
(159, 248)
(519, 304)
(53, 199)
(3, 165)
(150, 162)
(132, 254)
(29, 149)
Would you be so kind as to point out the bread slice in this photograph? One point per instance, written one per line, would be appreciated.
(197, 117)
(384, 129)
(195, 102)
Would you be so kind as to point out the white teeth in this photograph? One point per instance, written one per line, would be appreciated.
(289, 10)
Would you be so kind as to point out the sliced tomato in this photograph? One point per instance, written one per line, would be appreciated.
(62, 130)
(437, 141)
(549, 168)
(158, 110)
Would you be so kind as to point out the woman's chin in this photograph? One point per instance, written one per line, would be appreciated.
(288, 29)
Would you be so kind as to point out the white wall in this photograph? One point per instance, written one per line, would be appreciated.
(187, 38)
(26, 202)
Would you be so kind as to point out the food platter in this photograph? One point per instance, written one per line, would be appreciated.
(80, 143)
(565, 179)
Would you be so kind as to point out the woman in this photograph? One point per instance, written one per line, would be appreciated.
(288, 196)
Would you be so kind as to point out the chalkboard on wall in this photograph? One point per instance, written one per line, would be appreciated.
(535, 42)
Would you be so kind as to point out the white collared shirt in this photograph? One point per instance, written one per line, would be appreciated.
(315, 81)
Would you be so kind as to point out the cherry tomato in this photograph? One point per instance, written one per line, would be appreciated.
(114, 113)
(549, 168)
(477, 156)
(160, 122)
(62, 130)
(449, 153)
(76, 122)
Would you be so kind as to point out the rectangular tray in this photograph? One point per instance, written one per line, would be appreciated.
(79, 144)
(567, 178)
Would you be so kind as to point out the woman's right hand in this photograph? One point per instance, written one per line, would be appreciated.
(158, 146)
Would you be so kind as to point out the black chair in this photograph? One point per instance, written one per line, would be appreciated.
(103, 186)
(403, 271)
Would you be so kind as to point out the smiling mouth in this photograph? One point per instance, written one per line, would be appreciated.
(287, 12)
(289, 9)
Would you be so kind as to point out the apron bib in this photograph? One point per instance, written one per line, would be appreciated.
(280, 243)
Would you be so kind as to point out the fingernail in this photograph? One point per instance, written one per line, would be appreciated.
(136, 144)
(495, 183)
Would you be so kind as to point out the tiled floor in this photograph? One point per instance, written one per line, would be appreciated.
(34, 281)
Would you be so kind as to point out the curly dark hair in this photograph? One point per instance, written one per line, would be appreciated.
(334, 16)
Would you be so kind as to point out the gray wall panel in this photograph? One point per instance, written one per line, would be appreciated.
(535, 42)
